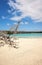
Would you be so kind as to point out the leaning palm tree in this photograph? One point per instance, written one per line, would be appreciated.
(14, 28)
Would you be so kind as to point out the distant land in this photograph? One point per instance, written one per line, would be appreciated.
(20, 32)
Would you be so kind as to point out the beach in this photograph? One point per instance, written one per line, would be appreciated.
(29, 52)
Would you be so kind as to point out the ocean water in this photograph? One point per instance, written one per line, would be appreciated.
(27, 35)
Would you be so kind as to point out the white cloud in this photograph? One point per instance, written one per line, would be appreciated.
(16, 18)
(9, 11)
(11, 4)
(32, 8)
(3, 17)
(21, 23)
(15, 23)
(8, 24)
(26, 23)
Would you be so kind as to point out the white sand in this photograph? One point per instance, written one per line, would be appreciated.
(28, 53)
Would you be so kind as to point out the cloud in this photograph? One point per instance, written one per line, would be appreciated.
(26, 23)
(16, 18)
(31, 8)
(22, 23)
(11, 4)
(8, 24)
(9, 11)
(3, 17)
(15, 23)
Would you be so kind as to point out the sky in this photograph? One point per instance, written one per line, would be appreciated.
(28, 12)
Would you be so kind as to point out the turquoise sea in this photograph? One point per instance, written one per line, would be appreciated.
(27, 35)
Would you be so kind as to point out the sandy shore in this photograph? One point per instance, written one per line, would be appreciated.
(28, 53)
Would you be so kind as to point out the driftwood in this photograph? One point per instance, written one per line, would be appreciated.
(7, 39)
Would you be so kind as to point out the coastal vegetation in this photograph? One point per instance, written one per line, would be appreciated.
(18, 32)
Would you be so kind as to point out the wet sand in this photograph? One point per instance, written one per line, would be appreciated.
(28, 53)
